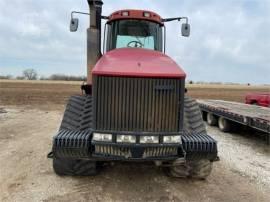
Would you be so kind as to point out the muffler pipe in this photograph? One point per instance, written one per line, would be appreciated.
(93, 36)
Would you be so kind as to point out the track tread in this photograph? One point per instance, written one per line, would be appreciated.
(78, 114)
(74, 167)
(77, 117)
(193, 121)
(193, 124)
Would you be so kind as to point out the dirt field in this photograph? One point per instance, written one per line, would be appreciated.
(37, 93)
(47, 93)
(30, 114)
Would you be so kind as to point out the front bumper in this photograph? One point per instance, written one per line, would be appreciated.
(79, 145)
(114, 151)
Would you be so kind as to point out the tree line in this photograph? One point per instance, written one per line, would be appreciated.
(31, 74)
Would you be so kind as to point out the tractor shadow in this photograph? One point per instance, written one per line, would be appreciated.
(128, 181)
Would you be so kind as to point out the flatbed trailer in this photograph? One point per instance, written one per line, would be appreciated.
(225, 114)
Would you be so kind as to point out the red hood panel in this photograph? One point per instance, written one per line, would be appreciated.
(138, 63)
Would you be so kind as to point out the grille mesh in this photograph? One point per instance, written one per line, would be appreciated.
(140, 104)
(110, 150)
(160, 151)
(113, 151)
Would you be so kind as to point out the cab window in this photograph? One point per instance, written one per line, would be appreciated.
(134, 34)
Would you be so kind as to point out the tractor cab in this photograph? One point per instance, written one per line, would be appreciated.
(134, 29)
(130, 29)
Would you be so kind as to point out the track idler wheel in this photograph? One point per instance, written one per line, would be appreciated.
(199, 169)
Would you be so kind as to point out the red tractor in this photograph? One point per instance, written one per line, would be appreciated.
(134, 106)
(261, 99)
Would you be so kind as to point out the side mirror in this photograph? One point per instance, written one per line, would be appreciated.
(74, 23)
(185, 29)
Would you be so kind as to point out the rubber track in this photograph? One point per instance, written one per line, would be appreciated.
(74, 167)
(78, 114)
(77, 117)
(193, 121)
(198, 165)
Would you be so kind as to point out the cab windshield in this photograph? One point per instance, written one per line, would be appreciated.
(134, 34)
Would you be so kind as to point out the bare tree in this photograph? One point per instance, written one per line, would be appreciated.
(30, 74)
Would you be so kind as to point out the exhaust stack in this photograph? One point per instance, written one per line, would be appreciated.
(93, 36)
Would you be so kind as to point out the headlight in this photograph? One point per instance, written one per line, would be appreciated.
(172, 139)
(149, 139)
(146, 14)
(126, 139)
(100, 137)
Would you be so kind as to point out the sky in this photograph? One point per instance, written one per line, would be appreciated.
(229, 42)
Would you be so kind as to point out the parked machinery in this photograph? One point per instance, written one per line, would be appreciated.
(134, 107)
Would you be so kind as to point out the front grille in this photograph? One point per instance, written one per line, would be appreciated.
(137, 104)
(109, 150)
(126, 152)
(160, 151)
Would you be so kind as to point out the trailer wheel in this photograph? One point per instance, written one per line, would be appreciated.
(77, 117)
(211, 119)
(255, 103)
(224, 124)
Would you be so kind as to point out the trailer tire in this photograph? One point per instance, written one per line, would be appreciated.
(224, 124)
(77, 117)
(255, 103)
(211, 119)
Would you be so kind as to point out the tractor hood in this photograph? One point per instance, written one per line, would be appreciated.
(135, 62)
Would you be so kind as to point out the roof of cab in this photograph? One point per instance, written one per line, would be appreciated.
(135, 14)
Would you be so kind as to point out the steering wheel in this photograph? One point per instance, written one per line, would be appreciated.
(137, 44)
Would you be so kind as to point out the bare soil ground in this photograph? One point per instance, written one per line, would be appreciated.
(47, 93)
(30, 114)
(224, 92)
